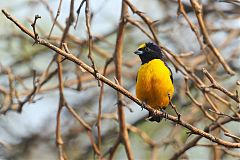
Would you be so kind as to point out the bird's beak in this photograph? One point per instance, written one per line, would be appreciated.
(138, 52)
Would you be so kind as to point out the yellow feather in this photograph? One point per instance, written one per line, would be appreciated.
(142, 45)
(154, 84)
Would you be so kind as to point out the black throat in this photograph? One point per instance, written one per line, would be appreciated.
(146, 58)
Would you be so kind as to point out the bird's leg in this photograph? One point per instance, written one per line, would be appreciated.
(143, 104)
(174, 108)
(151, 116)
(164, 113)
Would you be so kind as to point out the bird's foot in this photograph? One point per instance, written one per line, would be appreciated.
(143, 105)
(164, 113)
(154, 117)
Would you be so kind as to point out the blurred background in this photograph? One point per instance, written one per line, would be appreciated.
(30, 134)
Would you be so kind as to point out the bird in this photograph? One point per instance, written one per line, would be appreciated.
(154, 82)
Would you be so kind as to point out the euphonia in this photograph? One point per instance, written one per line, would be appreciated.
(154, 79)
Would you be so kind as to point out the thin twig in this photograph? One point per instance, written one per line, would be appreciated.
(90, 43)
(232, 136)
(216, 85)
(55, 20)
(100, 105)
(123, 134)
(62, 100)
(78, 12)
(197, 7)
(34, 28)
(193, 28)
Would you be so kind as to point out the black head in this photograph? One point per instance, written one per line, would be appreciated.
(149, 51)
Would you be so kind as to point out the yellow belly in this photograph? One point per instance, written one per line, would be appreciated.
(154, 84)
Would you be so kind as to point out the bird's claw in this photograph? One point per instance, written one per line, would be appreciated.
(143, 105)
(164, 113)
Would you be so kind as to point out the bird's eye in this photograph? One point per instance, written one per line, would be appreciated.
(147, 49)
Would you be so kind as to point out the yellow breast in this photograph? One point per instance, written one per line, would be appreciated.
(154, 84)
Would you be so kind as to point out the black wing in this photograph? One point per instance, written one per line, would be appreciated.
(136, 76)
(171, 76)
